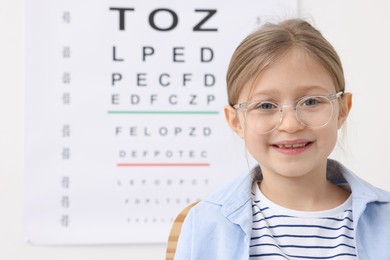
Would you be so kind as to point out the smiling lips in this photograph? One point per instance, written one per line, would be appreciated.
(292, 147)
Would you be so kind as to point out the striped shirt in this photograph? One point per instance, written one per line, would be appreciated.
(280, 233)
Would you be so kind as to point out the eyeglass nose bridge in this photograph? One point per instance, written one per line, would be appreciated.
(281, 109)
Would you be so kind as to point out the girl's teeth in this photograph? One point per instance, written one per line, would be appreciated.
(292, 145)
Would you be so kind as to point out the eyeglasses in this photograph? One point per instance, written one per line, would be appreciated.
(262, 117)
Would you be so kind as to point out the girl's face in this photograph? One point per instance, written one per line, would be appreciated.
(295, 75)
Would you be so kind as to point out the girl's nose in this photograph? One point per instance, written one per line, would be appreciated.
(289, 121)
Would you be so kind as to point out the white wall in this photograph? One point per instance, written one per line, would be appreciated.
(359, 30)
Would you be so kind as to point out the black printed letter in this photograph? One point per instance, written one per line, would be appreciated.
(121, 16)
(211, 12)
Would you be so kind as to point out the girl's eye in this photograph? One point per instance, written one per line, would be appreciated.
(311, 102)
(265, 106)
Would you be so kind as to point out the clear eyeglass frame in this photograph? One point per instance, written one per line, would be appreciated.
(245, 107)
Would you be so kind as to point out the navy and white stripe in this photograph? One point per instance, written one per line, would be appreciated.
(280, 233)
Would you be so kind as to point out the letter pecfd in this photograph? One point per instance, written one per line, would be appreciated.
(209, 80)
(162, 79)
(163, 131)
(115, 77)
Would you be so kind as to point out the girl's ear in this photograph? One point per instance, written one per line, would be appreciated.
(232, 118)
(346, 105)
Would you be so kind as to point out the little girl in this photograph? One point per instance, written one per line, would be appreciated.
(287, 101)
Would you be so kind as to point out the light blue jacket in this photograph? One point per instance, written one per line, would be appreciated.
(219, 227)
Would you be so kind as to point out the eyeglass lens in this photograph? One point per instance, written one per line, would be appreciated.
(263, 117)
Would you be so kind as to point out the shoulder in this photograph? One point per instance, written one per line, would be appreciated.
(210, 224)
(371, 210)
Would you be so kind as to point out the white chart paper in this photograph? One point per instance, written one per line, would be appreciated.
(124, 113)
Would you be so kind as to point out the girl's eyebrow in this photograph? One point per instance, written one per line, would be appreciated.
(267, 93)
(316, 89)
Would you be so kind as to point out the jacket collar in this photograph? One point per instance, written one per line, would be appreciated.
(235, 198)
(361, 190)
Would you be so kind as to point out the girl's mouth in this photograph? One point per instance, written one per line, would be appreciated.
(292, 147)
(289, 146)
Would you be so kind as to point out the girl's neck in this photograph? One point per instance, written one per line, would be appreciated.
(306, 193)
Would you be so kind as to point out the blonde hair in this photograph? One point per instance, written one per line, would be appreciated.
(263, 47)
